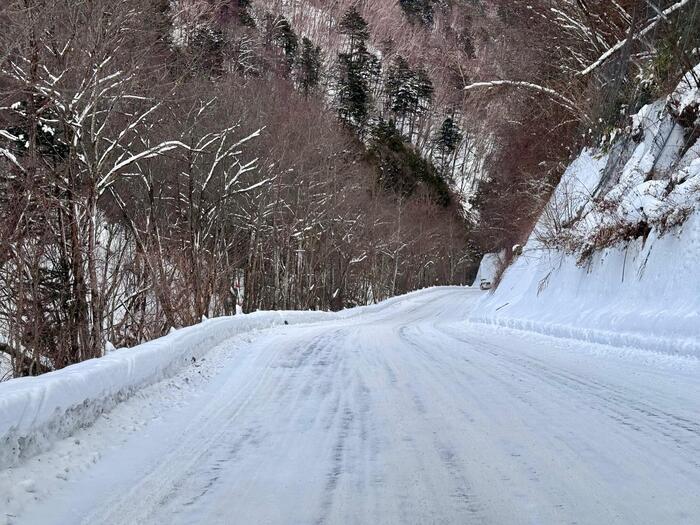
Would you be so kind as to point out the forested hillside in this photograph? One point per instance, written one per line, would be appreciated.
(165, 160)
(498, 94)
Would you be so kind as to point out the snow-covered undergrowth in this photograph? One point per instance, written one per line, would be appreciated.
(36, 411)
(614, 257)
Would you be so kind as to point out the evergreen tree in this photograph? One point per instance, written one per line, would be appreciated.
(447, 141)
(401, 168)
(354, 26)
(308, 66)
(408, 91)
(51, 144)
(244, 15)
(421, 11)
(400, 93)
(424, 89)
(287, 38)
(357, 68)
(468, 45)
(279, 32)
(449, 136)
(206, 48)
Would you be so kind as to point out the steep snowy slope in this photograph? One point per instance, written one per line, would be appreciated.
(614, 258)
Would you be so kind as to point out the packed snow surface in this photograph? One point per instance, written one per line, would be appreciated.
(397, 413)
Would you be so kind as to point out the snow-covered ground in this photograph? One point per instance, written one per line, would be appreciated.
(397, 413)
(642, 295)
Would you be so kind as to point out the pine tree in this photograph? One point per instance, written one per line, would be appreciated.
(354, 26)
(408, 92)
(401, 96)
(207, 51)
(421, 11)
(244, 15)
(279, 32)
(449, 136)
(401, 168)
(424, 89)
(468, 45)
(51, 144)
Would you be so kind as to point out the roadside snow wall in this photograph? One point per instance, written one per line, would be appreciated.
(36, 411)
(643, 291)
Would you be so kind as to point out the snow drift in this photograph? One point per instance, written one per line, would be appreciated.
(614, 257)
(35, 411)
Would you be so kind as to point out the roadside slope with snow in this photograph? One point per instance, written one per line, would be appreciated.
(614, 258)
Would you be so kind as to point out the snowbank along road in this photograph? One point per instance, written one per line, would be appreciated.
(398, 413)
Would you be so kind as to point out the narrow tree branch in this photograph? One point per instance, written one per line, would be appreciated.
(562, 100)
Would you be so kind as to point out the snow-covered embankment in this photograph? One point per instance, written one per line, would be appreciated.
(614, 259)
(36, 411)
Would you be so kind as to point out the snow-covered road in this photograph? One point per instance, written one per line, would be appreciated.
(402, 414)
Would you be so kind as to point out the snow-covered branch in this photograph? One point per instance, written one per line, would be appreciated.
(636, 36)
(562, 100)
(154, 151)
